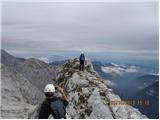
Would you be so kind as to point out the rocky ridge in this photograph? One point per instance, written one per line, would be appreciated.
(89, 97)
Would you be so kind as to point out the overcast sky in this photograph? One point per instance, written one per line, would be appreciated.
(118, 27)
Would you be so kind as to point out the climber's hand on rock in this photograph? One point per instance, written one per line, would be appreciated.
(62, 92)
(60, 89)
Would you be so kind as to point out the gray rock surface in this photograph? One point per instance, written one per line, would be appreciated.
(15, 95)
(19, 94)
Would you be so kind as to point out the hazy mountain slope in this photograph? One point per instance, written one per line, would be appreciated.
(22, 84)
(10, 60)
(37, 72)
(145, 81)
(16, 93)
(153, 89)
(151, 94)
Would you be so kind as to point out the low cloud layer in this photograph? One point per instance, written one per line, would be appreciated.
(119, 70)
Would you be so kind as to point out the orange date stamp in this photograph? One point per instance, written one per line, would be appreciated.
(130, 102)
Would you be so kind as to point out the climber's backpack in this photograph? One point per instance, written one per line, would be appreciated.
(58, 107)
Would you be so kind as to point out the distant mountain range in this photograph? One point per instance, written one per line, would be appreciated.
(58, 63)
(52, 58)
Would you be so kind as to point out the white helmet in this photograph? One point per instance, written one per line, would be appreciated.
(49, 88)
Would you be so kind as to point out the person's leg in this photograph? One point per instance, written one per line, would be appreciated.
(80, 65)
(83, 65)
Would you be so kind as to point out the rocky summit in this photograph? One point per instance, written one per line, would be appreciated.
(89, 96)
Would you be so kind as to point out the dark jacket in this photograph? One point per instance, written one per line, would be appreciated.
(49, 106)
(82, 57)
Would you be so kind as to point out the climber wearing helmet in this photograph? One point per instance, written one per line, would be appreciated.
(53, 104)
(81, 59)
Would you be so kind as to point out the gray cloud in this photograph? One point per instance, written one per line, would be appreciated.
(92, 27)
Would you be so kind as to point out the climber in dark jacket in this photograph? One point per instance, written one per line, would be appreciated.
(82, 60)
(53, 104)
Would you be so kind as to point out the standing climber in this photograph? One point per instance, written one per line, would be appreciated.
(82, 60)
(55, 105)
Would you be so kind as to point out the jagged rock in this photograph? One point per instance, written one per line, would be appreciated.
(99, 110)
(75, 83)
(86, 91)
